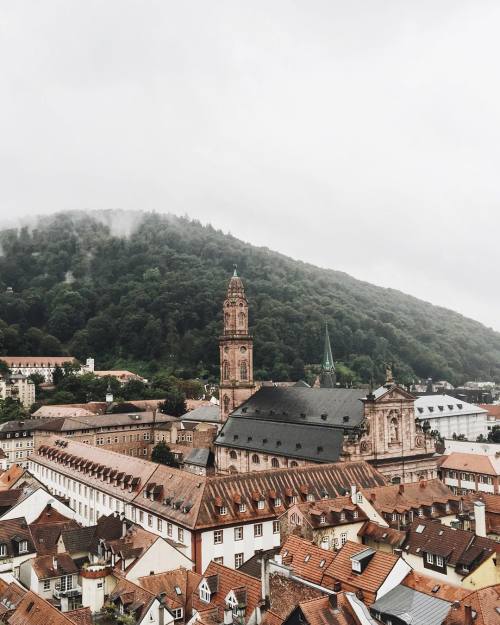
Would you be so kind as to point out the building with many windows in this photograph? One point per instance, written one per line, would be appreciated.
(222, 518)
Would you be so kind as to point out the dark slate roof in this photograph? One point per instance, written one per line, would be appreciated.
(253, 566)
(320, 443)
(79, 539)
(305, 405)
(412, 606)
(200, 456)
(209, 414)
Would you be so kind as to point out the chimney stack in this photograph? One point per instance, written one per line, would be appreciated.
(332, 600)
(468, 619)
(353, 493)
(401, 489)
(228, 616)
(480, 518)
(54, 563)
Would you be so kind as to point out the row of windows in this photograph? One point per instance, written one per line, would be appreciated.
(470, 477)
(432, 559)
(131, 437)
(238, 532)
(226, 370)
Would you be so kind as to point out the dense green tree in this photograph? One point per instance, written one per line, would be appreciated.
(152, 300)
(161, 453)
(11, 409)
(494, 434)
(174, 404)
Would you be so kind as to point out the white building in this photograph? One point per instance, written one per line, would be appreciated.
(449, 415)
(223, 518)
(43, 365)
(18, 386)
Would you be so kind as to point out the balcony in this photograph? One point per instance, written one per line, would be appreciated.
(70, 592)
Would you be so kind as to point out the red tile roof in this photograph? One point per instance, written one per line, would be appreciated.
(320, 612)
(186, 581)
(226, 580)
(373, 576)
(33, 610)
(47, 567)
(306, 559)
(476, 463)
(380, 534)
(485, 603)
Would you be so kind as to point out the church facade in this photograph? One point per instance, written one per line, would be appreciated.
(279, 427)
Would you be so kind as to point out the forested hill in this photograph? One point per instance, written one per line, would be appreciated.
(152, 300)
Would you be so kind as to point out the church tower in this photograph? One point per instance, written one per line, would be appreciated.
(327, 376)
(236, 350)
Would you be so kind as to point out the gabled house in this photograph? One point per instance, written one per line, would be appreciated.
(143, 607)
(334, 609)
(227, 596)
(329, 523)
(55, 578)
(16, 545)
(365, 571)
(454, 555)
(175, 590)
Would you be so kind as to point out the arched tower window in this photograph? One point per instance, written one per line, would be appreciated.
(243, 370)
(255, 459)
(275, 463)
(226, 403)
(225, 370)
(227, 317)
(233, 455)
(241, 318)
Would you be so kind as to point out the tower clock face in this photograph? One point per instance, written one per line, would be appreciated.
(243, 350)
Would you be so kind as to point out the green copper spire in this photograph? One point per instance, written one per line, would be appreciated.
(327, 377)
(235, 273)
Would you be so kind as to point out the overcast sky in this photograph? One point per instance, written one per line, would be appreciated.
(362, 136)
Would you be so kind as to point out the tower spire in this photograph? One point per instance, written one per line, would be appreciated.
(327, 377)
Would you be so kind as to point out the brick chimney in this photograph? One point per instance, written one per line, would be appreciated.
(468, 619)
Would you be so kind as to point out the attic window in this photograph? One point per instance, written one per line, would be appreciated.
(324, 416)
(322, 564)
(278, 443)
(441, 408)
(303, 415)
(178, 591)
(249, 438)
(420, 529)
(322, 519)
(307, 558)
(320, 448)
(436, 588)
(345, 419)
(420, 410)
(244, 409)
(460, 406)
(431, 408)
(298, 445)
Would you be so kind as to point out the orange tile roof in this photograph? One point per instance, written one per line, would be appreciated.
(493, 409)
(285, 594)
(44, 567)
(306, 559)
(484, 602)
(320, 612)
(312, 511)
(186, 581)
(476, 463)
(381, 534)
(193, 500)
(82, 616)
(132, 594)
(36, 361)
(10, 477)
(434, 587)
(409, 496)
(33, 610)
(373, 576)
(228, 580)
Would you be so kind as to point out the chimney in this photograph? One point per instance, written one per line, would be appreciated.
(124, 525)
(353, 493)
(228, 616)
(401, 489)
(54, 563)
(332, 600)
(468, 619)
(264, 577)
(480, 518)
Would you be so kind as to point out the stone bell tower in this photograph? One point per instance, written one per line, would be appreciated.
(236, 350)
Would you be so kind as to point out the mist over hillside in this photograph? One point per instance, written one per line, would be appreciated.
(145, 290)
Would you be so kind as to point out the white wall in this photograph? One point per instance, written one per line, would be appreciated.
(230, 546)
(395, 577)
(160, 557)
(31, 507)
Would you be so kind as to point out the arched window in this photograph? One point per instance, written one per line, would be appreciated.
(294, 464)
(225, 370)
(275, 463)
(243, 370)
(255, 459)
(226, 403)
(241, 318)
(226, 319)
(396, 480)
(233, 455)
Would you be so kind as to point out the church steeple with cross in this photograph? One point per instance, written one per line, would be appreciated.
(327, 376)
(236, 350)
